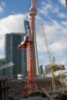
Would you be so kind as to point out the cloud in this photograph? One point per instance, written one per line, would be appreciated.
(49, 10)
(12, 23)
(57, 39)
(62, 2)
(62, 15)
(59, 48)
(56, 35)
(45, 8)
(2, 56)
(2, 5)
(1, 9)
(55, 31)
(1, 42)
(54, 21)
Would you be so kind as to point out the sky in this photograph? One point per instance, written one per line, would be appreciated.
(52, 14)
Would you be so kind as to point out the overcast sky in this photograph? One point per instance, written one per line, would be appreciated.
(51, 13)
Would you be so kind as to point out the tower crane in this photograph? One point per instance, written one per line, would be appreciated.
(30, 43)
(52, 61)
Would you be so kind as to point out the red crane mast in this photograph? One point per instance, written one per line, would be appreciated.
(29, 44)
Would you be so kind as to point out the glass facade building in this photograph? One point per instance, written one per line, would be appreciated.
(2, 62)
(13, 54)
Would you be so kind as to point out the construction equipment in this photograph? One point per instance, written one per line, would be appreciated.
(11, 64)
(33, 12)
(27, 26)
(30, 43)
(52, 62)
(27, 29)
(47, 94)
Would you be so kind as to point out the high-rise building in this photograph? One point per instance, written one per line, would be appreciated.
(42, 69)
(13, 54)
(57, 68)
(46, 69)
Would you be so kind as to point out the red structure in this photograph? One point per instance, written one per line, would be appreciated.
(29, 44)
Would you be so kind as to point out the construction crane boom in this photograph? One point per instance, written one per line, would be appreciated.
(52, 62)
(46, 43)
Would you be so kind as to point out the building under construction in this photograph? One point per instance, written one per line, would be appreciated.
(34, 86)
